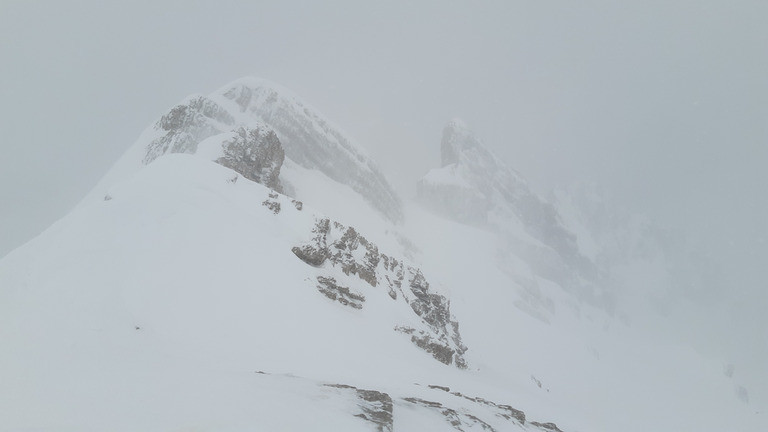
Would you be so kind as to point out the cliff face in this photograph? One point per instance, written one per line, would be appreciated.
(197, 280)
(475, 187)
(244, 113)
(496, 193)
(310, 140)
(256, 153)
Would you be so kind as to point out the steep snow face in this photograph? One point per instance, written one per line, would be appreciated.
(190, 295)
(263, 108)
(474, 187)
(192, 298)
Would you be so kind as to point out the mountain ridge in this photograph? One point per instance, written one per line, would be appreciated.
(189, 293)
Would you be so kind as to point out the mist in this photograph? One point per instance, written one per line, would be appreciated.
(663, 105)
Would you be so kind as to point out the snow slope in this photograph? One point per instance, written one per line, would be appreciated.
(179, 287)
(155, 309)
(180, 295)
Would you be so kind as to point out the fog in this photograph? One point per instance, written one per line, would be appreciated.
(664, 105)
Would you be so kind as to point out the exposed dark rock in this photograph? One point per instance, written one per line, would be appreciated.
(272, 205)
(186, 125)
(304, 135)
(344, 255)
(456, 419)
(440, 351)
(538, 382)
(316, 251)
(433, 308)
(512, 413)
(504, 411)
(376, 406)
(422, 402)
(256, 153)
(547, 426)
(437, 387)
(298, 204)
(310, 255)
(344, 247)
(341, 294)
(406, 330)
(312, 142)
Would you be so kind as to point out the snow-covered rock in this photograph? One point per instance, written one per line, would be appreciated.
(255, 153)
(185, 126)
(345, 248)
(310, 139)
(185, 294)
(188, 279)
(250, 108)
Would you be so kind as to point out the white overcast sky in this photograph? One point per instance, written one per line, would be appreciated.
(663, 103)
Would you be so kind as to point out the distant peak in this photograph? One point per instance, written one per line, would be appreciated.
(457, 137)
(457, 123)
(253, 90)
(253, 83)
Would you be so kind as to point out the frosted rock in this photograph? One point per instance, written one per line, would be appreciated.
(186, 125)
(334, 244)
(310, 140)
(248, 108)
(255, 153)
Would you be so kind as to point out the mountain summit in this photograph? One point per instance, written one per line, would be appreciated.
(307, 138)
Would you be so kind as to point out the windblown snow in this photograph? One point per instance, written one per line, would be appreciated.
(245, 266)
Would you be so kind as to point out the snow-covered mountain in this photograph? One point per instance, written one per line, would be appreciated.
(475, 187)
(246, 267)
(309, 141)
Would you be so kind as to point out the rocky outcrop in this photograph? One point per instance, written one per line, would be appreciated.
(256, 153)
(381, 410)
(547, 426)
(341, 294)
(186, 125)
(375, 406)
(459, 420)
(310, 140)
(440, 350)
(340, 246)
(261, 124)
(504, 411)
(273, 203)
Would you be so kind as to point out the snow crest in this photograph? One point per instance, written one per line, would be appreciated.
(311, 140)
(305, 136)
